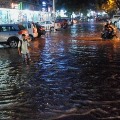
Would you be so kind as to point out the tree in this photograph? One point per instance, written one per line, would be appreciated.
(118, 3)
(69, 5)
(110, 6)
(75, 5)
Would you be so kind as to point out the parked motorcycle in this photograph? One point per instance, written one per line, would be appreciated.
(64, 26)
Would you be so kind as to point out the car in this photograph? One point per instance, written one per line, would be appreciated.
(11, 33)
(117, 24)
(32, 29)
(63, 22)
(40, 29)
(115, 19)
(49, 25)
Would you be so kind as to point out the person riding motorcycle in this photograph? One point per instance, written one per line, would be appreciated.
(108, 27)
(109, 31)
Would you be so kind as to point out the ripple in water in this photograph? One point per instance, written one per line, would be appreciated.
(67, 78)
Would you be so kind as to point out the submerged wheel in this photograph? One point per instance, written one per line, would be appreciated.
(13, 42)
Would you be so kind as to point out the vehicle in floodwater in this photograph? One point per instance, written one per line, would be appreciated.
(108, 32)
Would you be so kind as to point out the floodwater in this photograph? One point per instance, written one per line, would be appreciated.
(73, 75)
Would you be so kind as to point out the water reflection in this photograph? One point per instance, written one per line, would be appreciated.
(66, 76)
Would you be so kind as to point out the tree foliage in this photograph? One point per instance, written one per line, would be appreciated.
(75, 5)
(110, 5)
(118, 3)
(84, 5)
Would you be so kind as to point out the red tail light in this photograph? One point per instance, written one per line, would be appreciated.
(20, 32)
(41, 28)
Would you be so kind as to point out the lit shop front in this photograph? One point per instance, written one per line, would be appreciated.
(15, 16)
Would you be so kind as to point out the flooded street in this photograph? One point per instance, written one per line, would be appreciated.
(73, 73)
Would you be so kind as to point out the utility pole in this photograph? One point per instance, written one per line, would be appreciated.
(54, 13)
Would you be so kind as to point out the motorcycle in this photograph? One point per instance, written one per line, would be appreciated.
(108, 34)
(64, 26)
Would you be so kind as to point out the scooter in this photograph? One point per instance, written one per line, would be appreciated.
(107, 34)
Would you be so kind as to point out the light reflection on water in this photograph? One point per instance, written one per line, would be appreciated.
(66, 75)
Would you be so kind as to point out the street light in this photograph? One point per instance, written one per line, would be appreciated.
(54, 13)
(53, 6)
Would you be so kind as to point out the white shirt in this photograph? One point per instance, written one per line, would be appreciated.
(24, 46)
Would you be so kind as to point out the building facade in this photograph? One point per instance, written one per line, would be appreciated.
(13, 11)
(5, 3)
(26, 4)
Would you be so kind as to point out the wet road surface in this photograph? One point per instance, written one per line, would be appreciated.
(72, 73)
